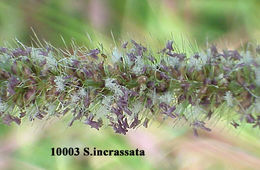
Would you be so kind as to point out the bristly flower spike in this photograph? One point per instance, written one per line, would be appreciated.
(130, 85)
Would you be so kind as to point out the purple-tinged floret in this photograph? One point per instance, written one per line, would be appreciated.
(250, 118)
(121, 126)
(235, 124)
(167, 110)
(151, 58)
(151, 84)
(44, 52)
(135, 123)
(93, 53)
(131, 56)
(200, 125)
(88, 73)
(122, 102)
(77, 117)
(8, 119)
(93, 124)
(87, 101)
(164, 76)
(139, 48)
(21, 52)
(145, 124)
(3, 50)
(12, 83)
(149, 103)
(214, 51)
(75, 63)
(124, 45)
(117, 111)
(169, 45)
(197, 56)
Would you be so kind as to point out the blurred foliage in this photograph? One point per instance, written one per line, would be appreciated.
(200, 20)
(226, 23)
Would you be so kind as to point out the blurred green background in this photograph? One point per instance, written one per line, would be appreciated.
(227, 23)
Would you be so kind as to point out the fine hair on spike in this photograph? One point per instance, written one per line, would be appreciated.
(130, 85)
